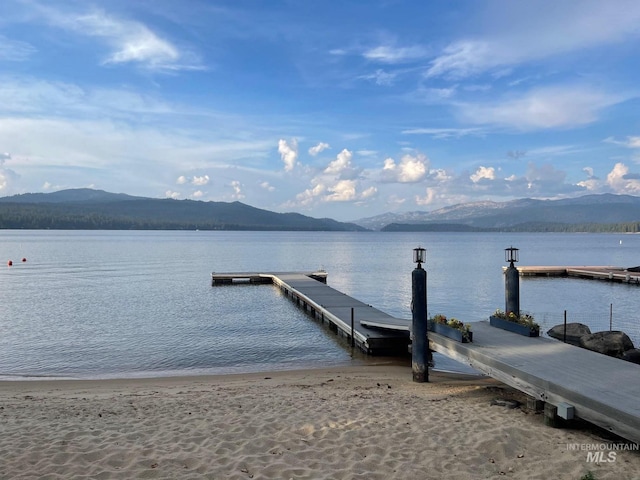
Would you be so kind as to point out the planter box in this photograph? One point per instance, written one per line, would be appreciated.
(513, 327)
(449, 332)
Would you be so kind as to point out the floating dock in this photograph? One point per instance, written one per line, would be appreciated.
(602, 390)
(607, 273)
(310, 292)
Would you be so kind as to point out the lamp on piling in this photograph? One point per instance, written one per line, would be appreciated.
(511, 255)
(419, 340)
(419, 256)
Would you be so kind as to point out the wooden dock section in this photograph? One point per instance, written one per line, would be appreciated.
(310, 292)
(607, 273)
(603, 390)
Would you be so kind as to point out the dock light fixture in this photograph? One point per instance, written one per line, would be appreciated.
(511, 255)
(419, 339)
(419, 256)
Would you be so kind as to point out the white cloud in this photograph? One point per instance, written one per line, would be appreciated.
(518, 32)
(343, 191)
(464, 58)
(487, 173)
(237, 190)
(181, 180)
(15, 50)
(197, 194)
(172, 194)
(410, 169)
(552, 107)
(444, 132)
(199, 181)
(318, 148)
(621, 181)
(307, 197)
(368, 193)
(341, 163)
(428, 199)
(390, 54)
(288, 153)
(630, 142)
(380, 77)
(130, 41)
(267, 186)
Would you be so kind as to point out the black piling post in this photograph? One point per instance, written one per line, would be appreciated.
(353, 339)
(512, 283)
(419, 341)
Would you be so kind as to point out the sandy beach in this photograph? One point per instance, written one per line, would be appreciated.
(369, 422)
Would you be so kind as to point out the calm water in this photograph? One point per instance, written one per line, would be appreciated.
(116, 304)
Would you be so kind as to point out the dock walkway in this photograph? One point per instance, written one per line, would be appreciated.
(603, 390)
(332, 307)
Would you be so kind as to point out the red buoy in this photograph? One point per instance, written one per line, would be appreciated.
(9, 263)
(24, 259)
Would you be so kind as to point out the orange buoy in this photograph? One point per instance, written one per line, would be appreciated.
(24, 259)
(9, 263)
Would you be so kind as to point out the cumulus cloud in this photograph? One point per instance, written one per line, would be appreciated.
(337, 182)
(368, 193)
(552, 107)
(343, 191)
(621, 181)
(172, 194)
(410, 169)
(320, 147)
(341, 163)
(181, 180)
(428, 198)
(203, 180)
(481, 173)
(197, 194)
(237, 190)
(288, 153)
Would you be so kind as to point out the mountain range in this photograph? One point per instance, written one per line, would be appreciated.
(99, 210)
(524, 214)
(85, 208)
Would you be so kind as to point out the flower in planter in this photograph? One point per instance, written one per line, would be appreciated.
(524, 319)
(465, 328)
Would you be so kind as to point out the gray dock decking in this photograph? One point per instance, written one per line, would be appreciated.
(606, 273)
(603, 390)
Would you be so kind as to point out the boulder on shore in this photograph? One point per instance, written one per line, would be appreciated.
(574, 332)
(613, 343)
(632, 355)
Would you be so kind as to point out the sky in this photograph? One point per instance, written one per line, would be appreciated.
(335, 108)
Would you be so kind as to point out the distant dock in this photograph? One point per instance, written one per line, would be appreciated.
(607, 273)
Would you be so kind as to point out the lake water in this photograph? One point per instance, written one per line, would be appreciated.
(100, 304)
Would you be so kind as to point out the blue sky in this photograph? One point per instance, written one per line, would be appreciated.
(344, 109)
